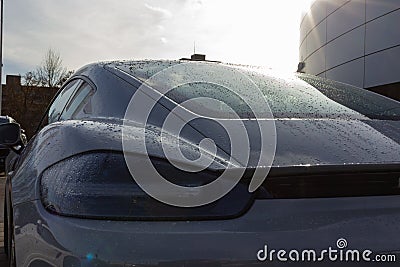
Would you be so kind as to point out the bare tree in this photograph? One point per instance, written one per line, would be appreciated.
(30, 79)
(50, 73)
(67, 75)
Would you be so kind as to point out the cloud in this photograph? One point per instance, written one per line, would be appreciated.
(96, 30)
(164, 12)
(83, 31)
(163, 40)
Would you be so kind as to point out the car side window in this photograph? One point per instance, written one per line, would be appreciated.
(61, 100)
(78, 102)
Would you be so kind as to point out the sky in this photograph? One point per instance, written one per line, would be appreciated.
(256, 32)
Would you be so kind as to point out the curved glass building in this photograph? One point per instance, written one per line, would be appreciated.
(354, 41)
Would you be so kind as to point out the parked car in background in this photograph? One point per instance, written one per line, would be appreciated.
(4, 150)
(71, 200)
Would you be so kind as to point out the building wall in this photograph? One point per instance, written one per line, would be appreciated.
(26, 104)
(354, 41)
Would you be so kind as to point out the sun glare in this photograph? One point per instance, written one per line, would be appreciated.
(306, 4)
(258, 33)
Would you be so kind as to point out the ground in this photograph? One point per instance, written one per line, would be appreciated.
(3, 259)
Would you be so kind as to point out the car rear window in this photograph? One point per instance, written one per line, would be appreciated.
(370, 104)
(288, 96)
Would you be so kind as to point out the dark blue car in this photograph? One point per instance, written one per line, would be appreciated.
(333, 182)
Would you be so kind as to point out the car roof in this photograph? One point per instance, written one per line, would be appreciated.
(289, 95)
(144, 69)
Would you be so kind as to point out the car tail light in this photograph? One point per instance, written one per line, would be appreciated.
(99, 185)
(331, 182)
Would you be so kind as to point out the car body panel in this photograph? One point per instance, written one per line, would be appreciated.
(281, 224)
